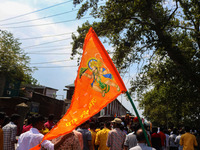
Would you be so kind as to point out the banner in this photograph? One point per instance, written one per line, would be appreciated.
(97, 84)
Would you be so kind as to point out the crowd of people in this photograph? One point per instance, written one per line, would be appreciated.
(118, 134)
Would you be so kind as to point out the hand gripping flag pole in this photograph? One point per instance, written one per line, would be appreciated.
(97, 84)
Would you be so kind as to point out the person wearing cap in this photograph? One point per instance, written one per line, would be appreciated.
(116, 137)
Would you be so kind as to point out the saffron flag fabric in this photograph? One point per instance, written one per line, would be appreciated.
(97, 84)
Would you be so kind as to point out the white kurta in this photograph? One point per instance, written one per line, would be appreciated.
(32, 138)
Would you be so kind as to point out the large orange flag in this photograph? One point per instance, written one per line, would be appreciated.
(97, 84)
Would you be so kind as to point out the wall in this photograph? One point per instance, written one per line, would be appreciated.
(48, 105)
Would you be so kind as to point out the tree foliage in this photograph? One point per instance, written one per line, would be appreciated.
(169, 35)
(13, 61)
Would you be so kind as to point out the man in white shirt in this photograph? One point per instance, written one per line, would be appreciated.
(130, 140)
(141, 142)
(33, 137)
(177, 140)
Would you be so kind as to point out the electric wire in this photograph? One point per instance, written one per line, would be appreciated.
(47, 47)
(47, 36)
(47, 23)
(47, 53)
(39, 18)
(53, 66)
(36, 11)
(50, 50)
(53, 41)
(46, 43)
(53, 61)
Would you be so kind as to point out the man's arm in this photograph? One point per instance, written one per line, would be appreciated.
(195, 141)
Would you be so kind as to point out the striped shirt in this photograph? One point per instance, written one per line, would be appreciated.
(116, 139)
(9, 136)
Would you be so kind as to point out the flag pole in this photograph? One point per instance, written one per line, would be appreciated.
(140, 121)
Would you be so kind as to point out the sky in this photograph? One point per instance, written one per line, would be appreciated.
(44, 28)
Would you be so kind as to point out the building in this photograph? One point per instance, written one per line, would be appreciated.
(44, 90)
(113, 109)
(31, 99)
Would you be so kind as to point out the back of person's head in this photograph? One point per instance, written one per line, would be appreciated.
(187, 129)
(107, 124)
(101, 125)
(132, 127)
(181, 132)
(162, 128)
(6, 120)
(92, 125)
(2, 115)
(29, 120)
(51, 117)
(140, 135)
(175, 131)
(85, 124)
(14, 117)
(37, 118)
(166, 131)
(154, 129)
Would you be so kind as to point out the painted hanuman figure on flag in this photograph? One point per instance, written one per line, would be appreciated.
(102, 78)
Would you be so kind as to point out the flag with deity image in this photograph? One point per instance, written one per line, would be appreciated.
(97, 84)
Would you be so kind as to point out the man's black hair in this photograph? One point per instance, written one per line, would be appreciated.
(140, 136)
(107, 123)
(162, 128)
(84, 124)
(187, 128)
(92, 125)
(2, 115)
(14, 117)
(37, 118)
(175, 131)
(51, 117)
(154, 129)
(29, 119)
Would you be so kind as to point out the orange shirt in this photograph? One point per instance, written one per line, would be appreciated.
(188, 141)
(101, 139)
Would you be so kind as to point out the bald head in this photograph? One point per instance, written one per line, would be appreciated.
(140, 136)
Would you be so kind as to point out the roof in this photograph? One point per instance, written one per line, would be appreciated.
(70, 85)
(38, 87)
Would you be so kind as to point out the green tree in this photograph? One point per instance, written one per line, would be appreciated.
(14, 63)
(172, 100)
(170, 35)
